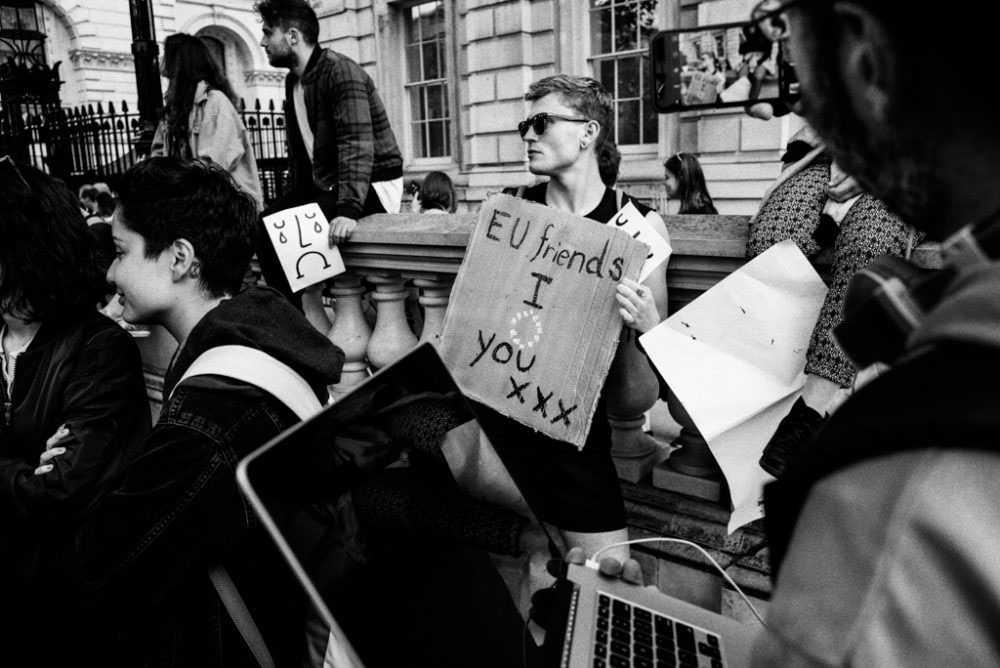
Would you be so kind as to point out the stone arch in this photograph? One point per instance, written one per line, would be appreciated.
(246, 42)
(247, 59)
(63, 16)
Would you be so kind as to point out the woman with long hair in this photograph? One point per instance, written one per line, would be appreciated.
(685, 181)
(200, 120)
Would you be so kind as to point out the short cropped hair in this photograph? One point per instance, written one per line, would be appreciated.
(49, 261)
(166, 198)
(290, 14)
(437, 192)
(588, 96)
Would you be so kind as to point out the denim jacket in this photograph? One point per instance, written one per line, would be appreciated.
(146, 548)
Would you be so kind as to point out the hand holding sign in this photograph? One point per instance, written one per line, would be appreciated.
(300, 238)
(637, 306)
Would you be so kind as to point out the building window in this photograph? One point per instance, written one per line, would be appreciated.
(22, 35)
(426, 80)
(620, 31)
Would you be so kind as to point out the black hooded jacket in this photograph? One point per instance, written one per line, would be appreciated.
(146, 547)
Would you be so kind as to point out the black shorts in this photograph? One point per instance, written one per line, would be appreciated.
(575, 490)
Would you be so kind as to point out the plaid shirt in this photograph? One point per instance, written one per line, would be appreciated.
(353, 145)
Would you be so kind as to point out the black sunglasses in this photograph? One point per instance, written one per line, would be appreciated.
(539, 122)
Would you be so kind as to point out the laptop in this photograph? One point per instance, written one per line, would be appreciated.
(606, 622)
(271, 476)
(592, 615)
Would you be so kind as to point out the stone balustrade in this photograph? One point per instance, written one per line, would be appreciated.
(391, 257)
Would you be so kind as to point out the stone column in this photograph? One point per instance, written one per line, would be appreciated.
(392, 337)
(350, 331)
(315, 310)
(631, 390)
(691, 469)
(435, 293)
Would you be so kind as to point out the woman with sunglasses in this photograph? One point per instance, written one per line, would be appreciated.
(569, 124)
(200, 117)
(66, 369)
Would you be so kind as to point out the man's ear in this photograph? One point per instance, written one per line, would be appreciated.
(294, 36)
(867, 59)
(591, 130)
(183, 262)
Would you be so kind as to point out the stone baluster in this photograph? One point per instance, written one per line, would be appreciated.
(435, 293)
(631, 390)
(392, 337)
(350, 331)
(691, 468)
(315, 310)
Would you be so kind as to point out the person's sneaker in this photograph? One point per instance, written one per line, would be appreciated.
(794, 431)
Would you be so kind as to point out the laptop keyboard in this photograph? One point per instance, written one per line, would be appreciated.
(631, 636)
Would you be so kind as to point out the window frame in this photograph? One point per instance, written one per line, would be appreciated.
(409, 135)
(594, 61)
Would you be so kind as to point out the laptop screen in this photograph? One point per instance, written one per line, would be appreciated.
(410, 403)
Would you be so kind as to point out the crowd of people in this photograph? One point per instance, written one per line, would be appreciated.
(880, 516)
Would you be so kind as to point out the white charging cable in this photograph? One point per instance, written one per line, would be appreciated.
(595, 559)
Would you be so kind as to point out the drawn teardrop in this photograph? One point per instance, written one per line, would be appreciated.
(282, 238)
(318, 228)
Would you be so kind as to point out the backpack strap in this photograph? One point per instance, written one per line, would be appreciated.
(240, 614)
(256, 367)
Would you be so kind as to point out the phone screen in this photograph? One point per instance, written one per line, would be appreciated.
(718, 66)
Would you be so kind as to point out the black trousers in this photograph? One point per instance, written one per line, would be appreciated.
(270, 266)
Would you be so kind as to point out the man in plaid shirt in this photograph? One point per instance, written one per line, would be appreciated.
(342, 152)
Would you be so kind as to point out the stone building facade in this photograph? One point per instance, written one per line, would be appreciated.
(453, 73)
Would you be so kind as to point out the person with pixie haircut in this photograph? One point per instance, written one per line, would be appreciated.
(66, 368)
(569, 122)
(342, 151)
(882, 535)
(183, 236)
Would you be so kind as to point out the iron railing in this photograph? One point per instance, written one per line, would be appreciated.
(88, 144)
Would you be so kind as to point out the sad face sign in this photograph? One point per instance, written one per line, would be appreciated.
(300, 238)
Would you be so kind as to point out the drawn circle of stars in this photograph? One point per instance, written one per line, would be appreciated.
(529, 340)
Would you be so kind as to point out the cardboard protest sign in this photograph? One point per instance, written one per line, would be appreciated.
(703, 89)
(300, 237)
(532, 325)
(634, 223)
